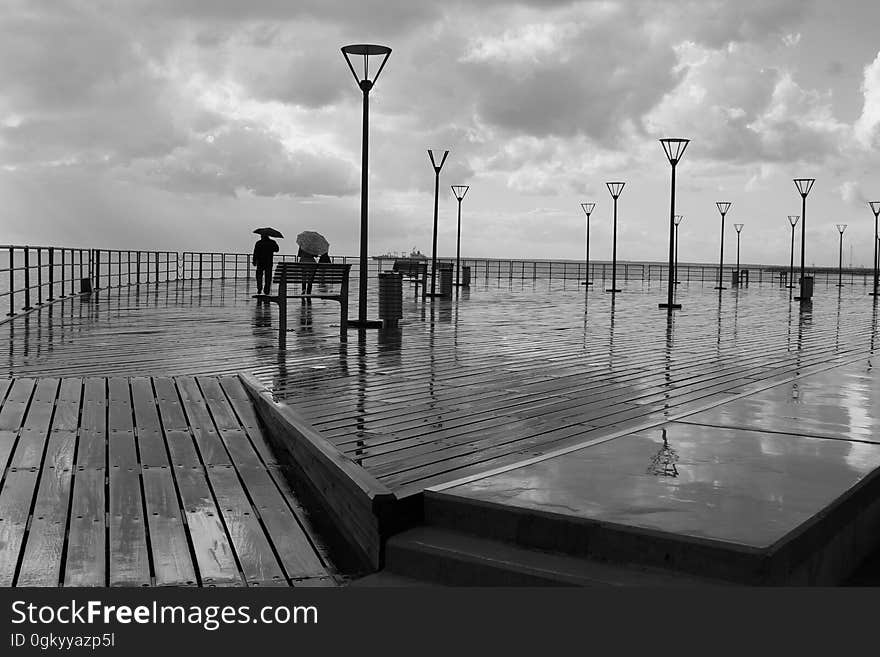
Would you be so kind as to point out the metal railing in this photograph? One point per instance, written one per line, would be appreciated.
(33, 276)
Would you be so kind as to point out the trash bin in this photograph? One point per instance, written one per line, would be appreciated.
(390, 298)
(85, 286)
(466, 276)
(806, 288)
(446, 273)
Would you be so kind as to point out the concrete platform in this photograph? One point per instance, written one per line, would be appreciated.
(795, 503)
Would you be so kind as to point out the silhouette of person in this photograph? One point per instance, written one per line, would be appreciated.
(305, 256)
(264, 249)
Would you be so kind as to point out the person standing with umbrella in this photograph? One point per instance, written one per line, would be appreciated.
(264, 250)
(311, 245)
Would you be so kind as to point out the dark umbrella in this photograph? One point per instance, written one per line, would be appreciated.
(269, 232)
(313, 242)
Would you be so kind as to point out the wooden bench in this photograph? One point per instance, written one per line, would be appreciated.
(296, 280)
(415, 270)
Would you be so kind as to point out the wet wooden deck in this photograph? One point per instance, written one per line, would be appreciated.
(501, 374)
(145, 481)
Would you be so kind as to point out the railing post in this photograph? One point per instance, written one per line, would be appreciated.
(27, 279)
(138, 268)
(39, 276)
(200, 266)
(63, 274)
(97, 269)
(157, 267)
(51, 274)
(11, 312)
(81, 271)
(72, 274)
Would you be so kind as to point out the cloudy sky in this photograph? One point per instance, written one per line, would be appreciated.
(183, 124)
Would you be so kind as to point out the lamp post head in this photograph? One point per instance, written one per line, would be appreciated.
(723, 207)
(875, 207)
(804, 185)
(793, 219)
(674, 149)
(434, 163)
(366, 51)
(677, 219)
(588, 208)
(841, 228)
(738, 227)
(460, 191)
(615, 188)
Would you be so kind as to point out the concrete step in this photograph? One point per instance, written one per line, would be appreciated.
(460, 559)
(599, 542)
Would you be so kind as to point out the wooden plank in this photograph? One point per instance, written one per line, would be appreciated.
(120, 425)
(35, 428)
(214, 556)
(255, 556)
(7, 443)
(15, 506)
(15, 405)
(41, 565)
(247, 415)
(129, 554)
(172, 563)
(150, 441)
(211, 448)
(67, 405)
(86, 563)
(92, 448)
(296, 552)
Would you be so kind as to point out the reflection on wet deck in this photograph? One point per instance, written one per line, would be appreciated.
(495, 376)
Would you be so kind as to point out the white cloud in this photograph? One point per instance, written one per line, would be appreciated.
(866, 127)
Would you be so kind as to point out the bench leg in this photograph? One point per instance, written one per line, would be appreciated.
(282, 314)
(343, 319)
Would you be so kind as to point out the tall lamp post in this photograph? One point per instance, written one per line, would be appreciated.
(366, 84)
(793, 220)
(677, 220)
(804, 185)
(875, 208)
(723, 207)
(840, 229)
(588, 210)
(437, 168)
(459, 191)
(615, 188)
(738, 228)
(674, 149)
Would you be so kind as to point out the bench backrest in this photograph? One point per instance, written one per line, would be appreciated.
(312, 272)
(411, 267)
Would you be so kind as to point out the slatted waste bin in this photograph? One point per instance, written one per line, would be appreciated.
(806, 288)
(466, 276)
(446, 273)
(390, 298)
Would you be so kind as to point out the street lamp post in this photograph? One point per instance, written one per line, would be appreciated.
(366, 51)
(840, 229)
(674, 149)
(793, 220)
(804, 185)
(614, 188)
(437, 168)
(738, 228)
(588, 210)
(459, 191)
(875, 208)
(723, 207)
(677, 220)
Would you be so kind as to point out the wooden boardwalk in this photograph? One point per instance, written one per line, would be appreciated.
(496, 376)
(145, 481)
